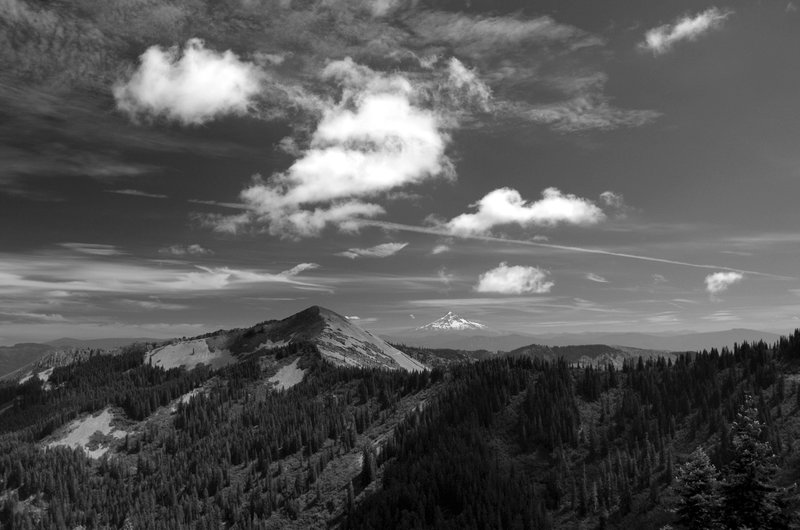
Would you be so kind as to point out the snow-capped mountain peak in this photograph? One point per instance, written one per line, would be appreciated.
(452, 322)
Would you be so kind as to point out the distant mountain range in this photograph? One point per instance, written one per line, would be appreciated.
(451, 332)
(343, 342)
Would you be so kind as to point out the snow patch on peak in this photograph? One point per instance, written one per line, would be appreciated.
(452, 322)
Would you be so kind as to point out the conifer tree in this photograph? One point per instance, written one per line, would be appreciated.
(750, 499)
(697, 486)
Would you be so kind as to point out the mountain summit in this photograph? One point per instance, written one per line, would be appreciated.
(339, 341)
(452, 322)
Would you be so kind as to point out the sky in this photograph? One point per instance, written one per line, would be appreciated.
(173, 167)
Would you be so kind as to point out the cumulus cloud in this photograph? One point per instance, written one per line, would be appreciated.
(185, 250)
(375, 140)
(514, 279)
(505, 206)
(191, 87)
(596, 278)
(378, 251)
(720, 281)
(688, 28)
(440, 249)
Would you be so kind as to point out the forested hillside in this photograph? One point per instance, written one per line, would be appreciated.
(505, 442)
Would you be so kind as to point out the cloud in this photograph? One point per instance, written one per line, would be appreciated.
(297, 269)
(580, 113)
(479, 36)
(505, 206)
(152, 305)
(466, 88)
(720, 281)
(721, 316)
(581, 104)
(185, 250)
(225, 224)
(440, 249)
(137, 193)
(445, 276)
(375, 140)
(25, 316)
(658, 279)
(515, 279)
(93, 249)
(192, 87)
(595, 278)
(688, 28)
(41, 275)
(612, 199)
(378, 251)
(445, 231)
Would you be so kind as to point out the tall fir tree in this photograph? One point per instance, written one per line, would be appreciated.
(751, 501)
(698, 488)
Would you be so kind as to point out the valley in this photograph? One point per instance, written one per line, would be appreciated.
(313, 422)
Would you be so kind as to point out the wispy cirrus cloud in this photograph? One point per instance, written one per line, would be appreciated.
(152, 305)
(137, 193)
(592, 277)
(514, 279)
(383, 250)
(663, 38)
(299, 268)
(40, 275)
(193, 249)
(26, 316)
(94, 249)
(479, 36)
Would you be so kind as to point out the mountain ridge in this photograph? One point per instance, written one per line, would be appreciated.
(339, 340)
(690, 341)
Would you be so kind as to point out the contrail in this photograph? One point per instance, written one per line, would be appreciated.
(444, 233)
(439, 232)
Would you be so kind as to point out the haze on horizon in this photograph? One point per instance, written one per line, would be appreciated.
(541, 168)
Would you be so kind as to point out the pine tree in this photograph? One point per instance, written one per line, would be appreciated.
(697, 486)
(750, 499)
(369, 468)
